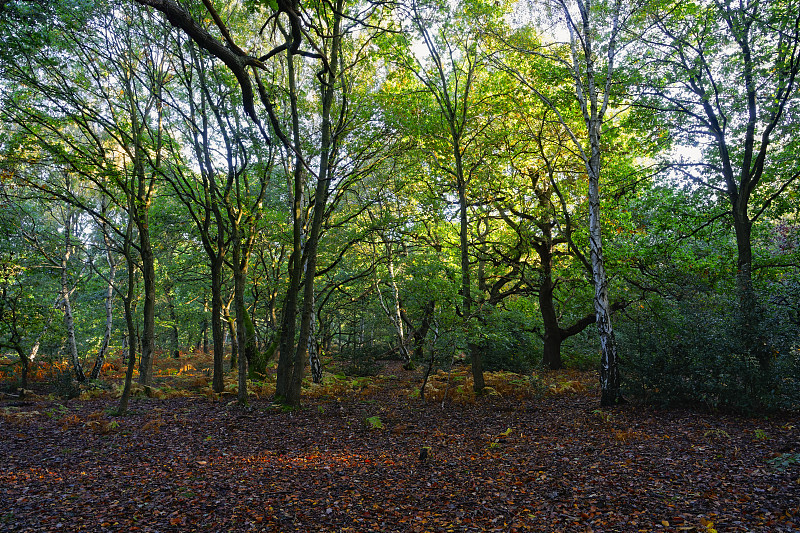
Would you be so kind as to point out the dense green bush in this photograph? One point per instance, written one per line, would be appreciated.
(698, 353)
(64, 386)
(508, 343)
(582, 351)
(362, 361)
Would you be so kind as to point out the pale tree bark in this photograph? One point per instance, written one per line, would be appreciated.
(593, 100)
(395, 312)
(313, 350)
(594, 103)
(109, 300)
(66, 304)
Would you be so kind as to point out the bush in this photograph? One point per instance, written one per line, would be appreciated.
(361, 362)
(507, 343)
(582, 351)
(697, 352)
(64, 386)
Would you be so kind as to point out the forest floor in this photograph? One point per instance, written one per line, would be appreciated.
(533, 455)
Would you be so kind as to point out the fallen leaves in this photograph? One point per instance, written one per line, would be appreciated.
(548, 463)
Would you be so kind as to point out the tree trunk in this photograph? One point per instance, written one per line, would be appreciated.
(112, 271)
(553, 335)
(749, 308)
(127, 303)
(257, 363)
(26, 364)
(593, 107)
(38, 342)
(609, 365)
(69, 321)
(231, 323)
(313, 350)
(475, 353)
(241, 333)
(398, 320)
(286, 365)
(217, 334)
(148, 339)
(174, 337)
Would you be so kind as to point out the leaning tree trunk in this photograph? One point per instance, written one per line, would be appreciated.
(395, 313)
(38, 342)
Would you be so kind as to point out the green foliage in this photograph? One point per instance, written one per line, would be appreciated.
(580, 352)
(697, 352)
(374, 422)
(57, 411)
(784, 461)
(507, 343)
(361, 363)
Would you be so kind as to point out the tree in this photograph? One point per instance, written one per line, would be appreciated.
(590, 62)
(328, 22)
(449, 75)
(727, 71)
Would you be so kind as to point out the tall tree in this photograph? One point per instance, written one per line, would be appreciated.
(449, 74)
(590, 61)
(727, 71)
(315, 32)
(107, 130)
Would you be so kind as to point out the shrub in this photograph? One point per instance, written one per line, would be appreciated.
(361, 362)
(64, 386)
(698, 353)
(507, 343)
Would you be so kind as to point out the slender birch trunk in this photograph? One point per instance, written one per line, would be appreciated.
(69, 321)
(109, 304)
(582, 33)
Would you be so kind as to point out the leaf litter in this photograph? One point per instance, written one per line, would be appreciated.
(375, 458)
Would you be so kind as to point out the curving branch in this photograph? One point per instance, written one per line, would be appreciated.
(233, 56)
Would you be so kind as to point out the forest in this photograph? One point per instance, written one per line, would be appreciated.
(422, 226)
